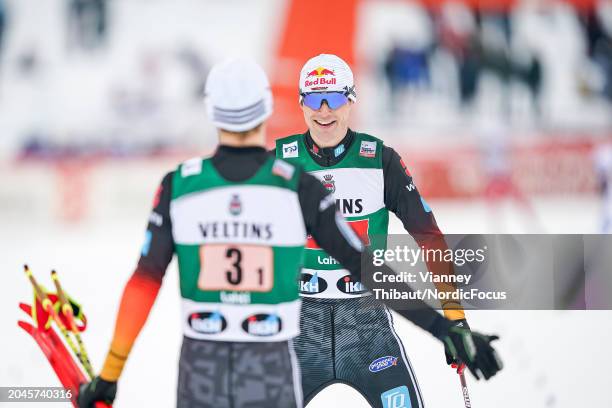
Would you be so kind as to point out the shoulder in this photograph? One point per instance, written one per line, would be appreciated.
(368, 150)
(284, 169)
(360, 136)
(190, 167)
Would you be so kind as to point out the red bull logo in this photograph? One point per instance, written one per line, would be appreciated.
(319, 72)
(316, 77)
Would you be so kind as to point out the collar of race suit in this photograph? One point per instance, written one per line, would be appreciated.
(328, 156)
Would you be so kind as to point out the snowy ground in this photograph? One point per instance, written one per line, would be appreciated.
(553, 359)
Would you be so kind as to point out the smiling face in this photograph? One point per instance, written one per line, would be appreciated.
(327, 126)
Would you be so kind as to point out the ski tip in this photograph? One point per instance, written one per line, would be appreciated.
(26, 308)
(53, 274)
(26, 269)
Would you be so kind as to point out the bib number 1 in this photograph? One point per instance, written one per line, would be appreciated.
(236, 268)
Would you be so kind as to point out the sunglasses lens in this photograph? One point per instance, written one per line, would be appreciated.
(313, 100)
(334, 100)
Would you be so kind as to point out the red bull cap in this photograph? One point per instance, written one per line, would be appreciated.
(327, 73)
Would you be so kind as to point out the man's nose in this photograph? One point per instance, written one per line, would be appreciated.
(324, 107)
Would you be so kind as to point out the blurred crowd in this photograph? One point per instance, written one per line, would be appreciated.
(544, 59)
(525, 47)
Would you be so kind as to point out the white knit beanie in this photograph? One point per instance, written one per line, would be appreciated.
(238, 95)
(327, 73)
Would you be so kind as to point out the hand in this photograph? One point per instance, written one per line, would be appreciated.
(96, 390)
(471, 348)
(461, 323)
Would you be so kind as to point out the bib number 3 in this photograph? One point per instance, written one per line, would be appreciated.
(236, 268)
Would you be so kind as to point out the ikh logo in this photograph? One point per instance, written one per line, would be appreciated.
(329, 183)
(347, 284)
(316, 77)
(312, 284)
(207, 322)
(235, 206)
(397, 397)
(262, 325)
(382, 363)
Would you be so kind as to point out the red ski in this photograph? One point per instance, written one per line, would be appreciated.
(62, 362)
(69, 373)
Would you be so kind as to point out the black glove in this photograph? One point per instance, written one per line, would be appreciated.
(96, 390)
(471, 348)
(461, 323)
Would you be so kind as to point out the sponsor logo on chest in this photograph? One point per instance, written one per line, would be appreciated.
(347, 284)
(346, 201)
(262, 324)
(312, 284)
(207, 322)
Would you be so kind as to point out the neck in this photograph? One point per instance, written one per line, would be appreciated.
(329, 140)
(252, 138)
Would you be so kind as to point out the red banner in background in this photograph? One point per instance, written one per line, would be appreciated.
(311, 28)
(546, 168)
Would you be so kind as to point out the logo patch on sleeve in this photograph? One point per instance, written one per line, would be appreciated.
(191, 167)
(426, 206)
(367, 149)
(283, 169)
(290, 150)
(405, 168)
(146, 245)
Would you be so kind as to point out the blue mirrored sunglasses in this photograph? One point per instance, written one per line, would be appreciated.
(334, 99)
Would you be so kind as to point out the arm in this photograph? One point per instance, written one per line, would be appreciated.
(403, 199)
(333, 234)
(142, 288)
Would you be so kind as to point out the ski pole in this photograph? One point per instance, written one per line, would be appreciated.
(47, 305)
(464, 390)
(67, 310)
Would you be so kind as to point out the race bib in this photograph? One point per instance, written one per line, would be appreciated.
(236, 268)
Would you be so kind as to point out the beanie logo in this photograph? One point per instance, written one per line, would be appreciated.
(319, 72)
(316, 78)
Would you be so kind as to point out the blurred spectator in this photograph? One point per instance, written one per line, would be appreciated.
(598, 26)
(480, 43)
(197, 67)
(602, 158)
(457, 33)
(87, 23)
(551, 31)
(405, 68)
